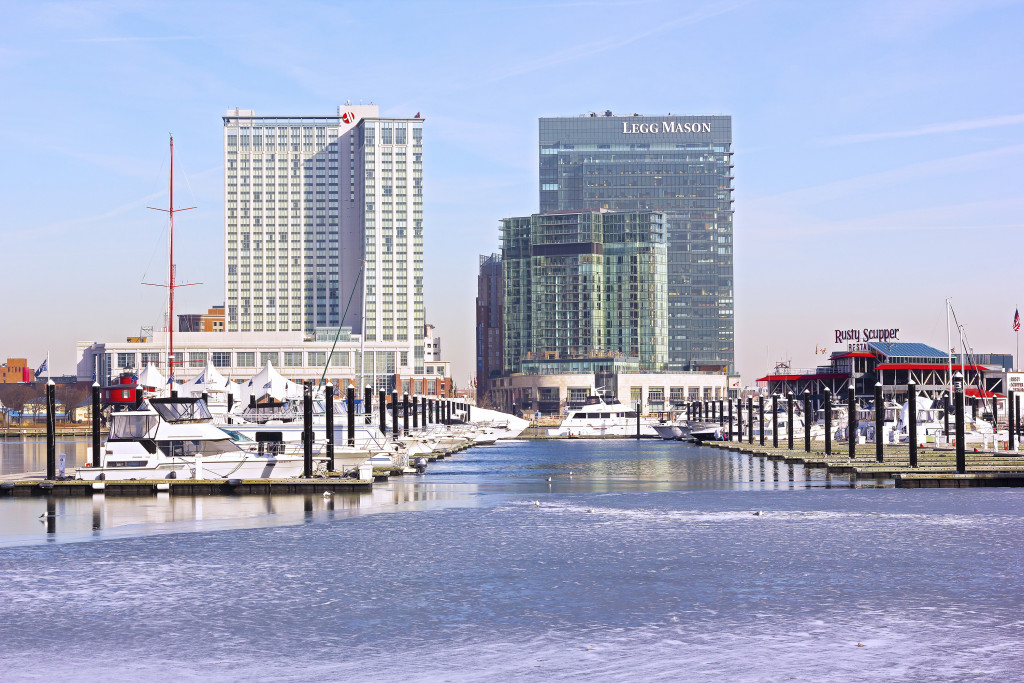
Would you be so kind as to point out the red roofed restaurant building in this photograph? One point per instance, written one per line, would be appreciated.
(894, 365)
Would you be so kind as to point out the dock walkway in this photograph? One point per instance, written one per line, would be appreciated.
(936, 466)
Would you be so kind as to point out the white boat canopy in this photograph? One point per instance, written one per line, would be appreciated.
(269, 381)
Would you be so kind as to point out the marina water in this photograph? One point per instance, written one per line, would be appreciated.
(648, 561)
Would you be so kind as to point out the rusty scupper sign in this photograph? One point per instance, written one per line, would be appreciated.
(857, 340)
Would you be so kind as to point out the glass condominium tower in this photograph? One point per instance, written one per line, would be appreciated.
(323, 225)
(680, 166)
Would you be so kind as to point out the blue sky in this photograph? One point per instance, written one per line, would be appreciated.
(879, 147)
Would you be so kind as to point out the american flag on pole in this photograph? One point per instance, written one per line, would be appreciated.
(1016, 320)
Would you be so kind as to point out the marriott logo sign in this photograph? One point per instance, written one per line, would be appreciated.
(666, 127)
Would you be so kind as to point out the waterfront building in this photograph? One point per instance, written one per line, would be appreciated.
(894, 365)
(557, 392)
(489, 322)
(583, 286)
(680, 166)
(336, 355)
(323, 225)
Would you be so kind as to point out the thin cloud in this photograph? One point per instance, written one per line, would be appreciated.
(828, 192)
(590, 49)
(131, 39)
(934, 129)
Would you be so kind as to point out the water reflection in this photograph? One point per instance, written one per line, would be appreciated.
(50, 518)
(475, 477)
(28, 454)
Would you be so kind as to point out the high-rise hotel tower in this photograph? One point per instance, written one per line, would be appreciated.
(323, 225)
(680, 166)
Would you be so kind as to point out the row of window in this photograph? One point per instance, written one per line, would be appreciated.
(242, 359)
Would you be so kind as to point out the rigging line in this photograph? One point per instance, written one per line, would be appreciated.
(161, 237)
(359, 278)
(971, 360)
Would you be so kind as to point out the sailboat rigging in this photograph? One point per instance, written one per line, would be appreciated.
(171, 284)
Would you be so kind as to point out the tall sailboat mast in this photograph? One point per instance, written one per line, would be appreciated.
(171, 284)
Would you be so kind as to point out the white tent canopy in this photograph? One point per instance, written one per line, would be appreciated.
(210, 381)
(150, 378)
(269, 381)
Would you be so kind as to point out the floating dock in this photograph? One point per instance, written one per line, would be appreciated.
(936, 466)
(36, 484)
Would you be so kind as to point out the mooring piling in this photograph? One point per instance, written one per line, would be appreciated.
(96, 462)
(912, 421)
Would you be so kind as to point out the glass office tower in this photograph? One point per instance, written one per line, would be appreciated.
(584, 291)
(679, 165)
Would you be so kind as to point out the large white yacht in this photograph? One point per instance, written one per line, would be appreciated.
(175, 438)
(603, 418)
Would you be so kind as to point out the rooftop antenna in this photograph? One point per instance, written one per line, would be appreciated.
(171, 285)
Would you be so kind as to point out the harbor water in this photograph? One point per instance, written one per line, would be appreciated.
(651, 560)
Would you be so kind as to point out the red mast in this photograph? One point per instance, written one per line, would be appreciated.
(171, 284)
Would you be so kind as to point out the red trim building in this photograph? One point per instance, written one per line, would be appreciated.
(894, 365)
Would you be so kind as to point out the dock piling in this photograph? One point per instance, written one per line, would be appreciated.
(394, 413)
(851, 418)
(307, 430)
(912, 425)
(879, 423)
(729, 437)
(1017, 420)
(415, 411)
(808, 413)
(329, 427)
(96, 424)
(51, 430)
(1009, 420)
(350, 399)
(405, 413)
(760, 410)
(828, 421)
(368, 404)
(789, 419)
(750, 419)
(958, 400)
(775, 420)
(382, 411)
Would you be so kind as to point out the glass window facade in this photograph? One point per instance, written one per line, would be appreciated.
(680, 166)
(584, 288)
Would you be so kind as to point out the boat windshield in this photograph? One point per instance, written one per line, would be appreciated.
(263, 413)
(129, 427)
(181, 410)
(236, 436)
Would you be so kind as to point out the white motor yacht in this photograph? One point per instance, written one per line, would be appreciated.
(603, 418)
(175, 438)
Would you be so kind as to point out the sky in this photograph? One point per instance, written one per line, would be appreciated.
(879, 148)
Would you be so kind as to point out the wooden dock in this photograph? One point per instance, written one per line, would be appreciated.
(936, 467)
(36, 484)
(33, 484)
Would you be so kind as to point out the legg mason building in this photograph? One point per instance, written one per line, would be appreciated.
(626, 273)
(680, 166)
